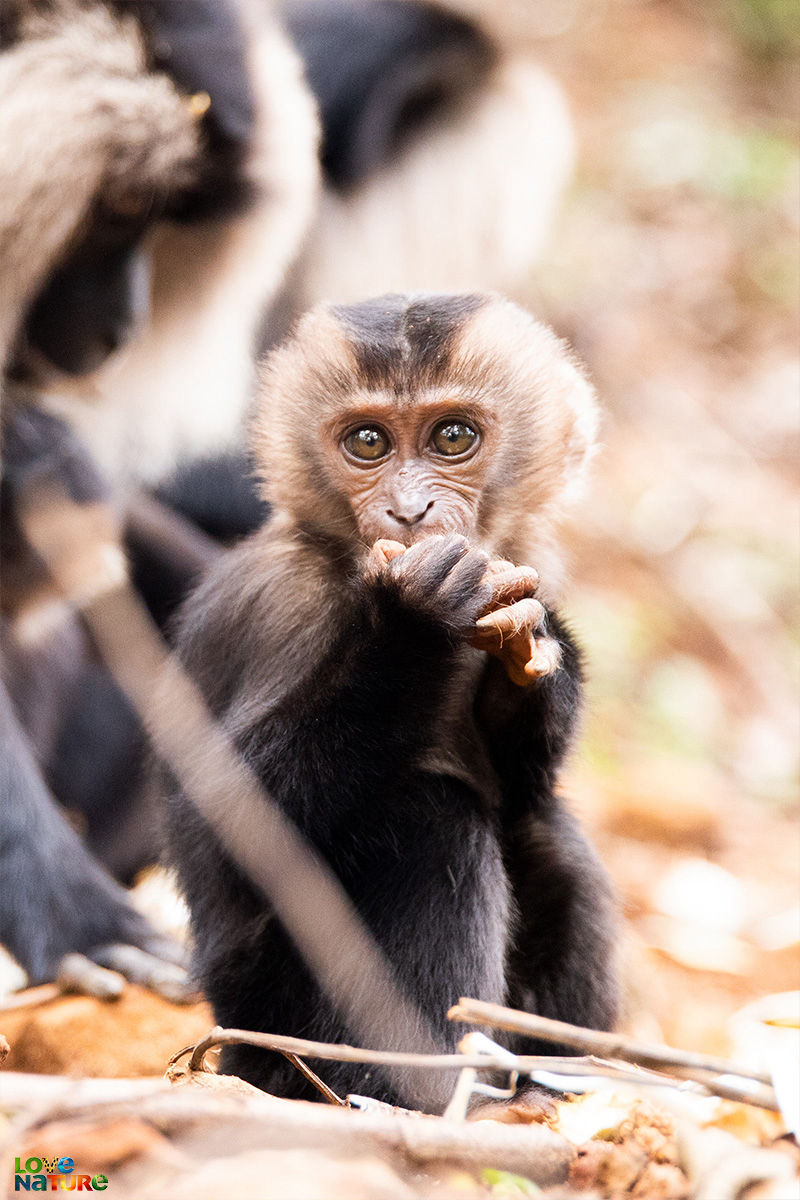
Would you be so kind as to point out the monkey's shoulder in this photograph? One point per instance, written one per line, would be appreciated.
(261, 611)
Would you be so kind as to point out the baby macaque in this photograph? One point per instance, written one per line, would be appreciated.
(386, 656)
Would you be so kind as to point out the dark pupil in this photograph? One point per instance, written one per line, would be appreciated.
(453, 438)
(367, 443)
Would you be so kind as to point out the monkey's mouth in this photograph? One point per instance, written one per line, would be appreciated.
(408, 535)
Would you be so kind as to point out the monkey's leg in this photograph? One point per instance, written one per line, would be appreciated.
(562, 959)
(422, 865)
(55, 899)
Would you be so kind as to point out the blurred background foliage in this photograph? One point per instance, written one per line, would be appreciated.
(675, 272)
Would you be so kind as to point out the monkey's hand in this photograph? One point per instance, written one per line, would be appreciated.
(512, 627)
(161, 968)
(440, 576)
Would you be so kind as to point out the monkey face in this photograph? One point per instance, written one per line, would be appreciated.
(405, 416)
(411, 470)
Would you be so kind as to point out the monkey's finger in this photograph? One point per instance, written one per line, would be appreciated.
(499, 566)
(515, 653)
(164, 978)
(510, 583)
(430, 560)
(525, 614)
(465, 587)
(545, 659)
(78, 974)
(167, 949)
(385, 550)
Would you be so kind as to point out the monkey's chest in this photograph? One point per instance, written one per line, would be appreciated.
(457, 748)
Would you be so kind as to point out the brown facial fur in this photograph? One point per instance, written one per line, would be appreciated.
(402, 363)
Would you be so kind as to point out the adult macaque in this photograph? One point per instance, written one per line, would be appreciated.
(81, 118)
(154, 155)
(386, 656)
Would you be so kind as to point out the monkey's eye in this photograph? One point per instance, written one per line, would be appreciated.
(368, 443)
(453, 437)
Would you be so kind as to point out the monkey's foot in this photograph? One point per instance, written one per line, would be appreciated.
(160, 969)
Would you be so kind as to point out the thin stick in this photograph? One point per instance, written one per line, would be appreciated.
(319, 1084)
(591, 1041)
(528, 1064)
(388, 1058)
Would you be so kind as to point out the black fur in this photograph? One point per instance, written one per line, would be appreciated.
(380, 71)
(201, 45)
(86, 737)
(219, 495)
(95, 771)
(68, 734)
(100, 293)
(561, 960)
(473, 882)
(55, 895)
(94, 301)
(394, 340)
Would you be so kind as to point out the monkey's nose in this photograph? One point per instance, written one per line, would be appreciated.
(411, 515)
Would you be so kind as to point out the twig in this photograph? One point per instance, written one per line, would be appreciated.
(758, 1094)
(524, 1064)
(462, 1094)
(591, 1041)
(394, 1058)
(168, 537)
(314, 1079)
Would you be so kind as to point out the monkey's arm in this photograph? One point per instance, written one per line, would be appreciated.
(514, 627)
(55, 899)
(361, 681)
(530, 727)
(529, 699)
(562, 958)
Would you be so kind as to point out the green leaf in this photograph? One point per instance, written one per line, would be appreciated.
(503, 1183)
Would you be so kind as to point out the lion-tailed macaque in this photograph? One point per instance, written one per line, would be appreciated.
(387, 657)
(125, 125)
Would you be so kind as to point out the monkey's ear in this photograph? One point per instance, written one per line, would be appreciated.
(550, 412)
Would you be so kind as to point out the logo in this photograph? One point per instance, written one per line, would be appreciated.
(54, 1174)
